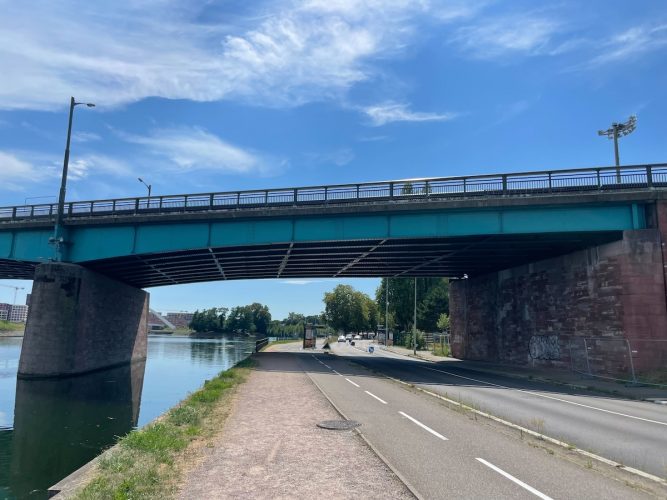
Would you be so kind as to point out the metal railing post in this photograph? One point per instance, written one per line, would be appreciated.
(550, 182)
(266, 197)
(357, 191)
(136, 205)
(210, 201)
(296, 196)
(326, 194)
(464, 186)
(238, 199)
(504, 184)
(649, 176)
(391, 190)
(598, 177)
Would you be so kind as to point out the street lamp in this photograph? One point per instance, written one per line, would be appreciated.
(386, 310)
(619, 130)
(58, 239)
(414, 323)
(148, 186)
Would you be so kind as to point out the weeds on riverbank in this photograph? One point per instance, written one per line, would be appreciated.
(145, 463)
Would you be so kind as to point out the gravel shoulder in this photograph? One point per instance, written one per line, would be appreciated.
(271, 447)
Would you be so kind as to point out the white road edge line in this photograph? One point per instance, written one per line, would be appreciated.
(549, 397)
(354, 384)
(374, 396)
(336, 372)
(517, 481)
(426, 428)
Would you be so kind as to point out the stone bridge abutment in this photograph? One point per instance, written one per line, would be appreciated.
(602, 310)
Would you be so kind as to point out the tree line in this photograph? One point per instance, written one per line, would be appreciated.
(349, 310)
(253, 318)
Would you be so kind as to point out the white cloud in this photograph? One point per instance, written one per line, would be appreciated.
(16, 172)
(14, 168)
(81, 168)
(85, 137)
(127, 51)
(191, 149)
(300, 282)
(382, 114)
(631, 43)
(523, 34)
(339, 157)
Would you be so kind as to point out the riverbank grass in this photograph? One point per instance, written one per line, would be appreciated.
(147, 463)
(6, 326)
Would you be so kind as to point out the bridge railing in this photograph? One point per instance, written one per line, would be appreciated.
(496, 185)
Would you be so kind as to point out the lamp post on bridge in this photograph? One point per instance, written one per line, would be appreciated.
(619, 130)
(148, 186)
(58, 239)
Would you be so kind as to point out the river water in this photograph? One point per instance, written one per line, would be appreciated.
(49, 428)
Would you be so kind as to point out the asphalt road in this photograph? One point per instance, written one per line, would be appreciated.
(441, 453)
(630, 432)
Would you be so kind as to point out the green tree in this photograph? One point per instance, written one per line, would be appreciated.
(240, 320)
(261, 317)
(432, 300)
(349, 310)
(443, 322)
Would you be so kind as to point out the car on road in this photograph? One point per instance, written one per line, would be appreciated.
(348, 336)
(342, 338)
(357, 337)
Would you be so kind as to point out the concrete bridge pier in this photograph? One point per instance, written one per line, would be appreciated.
(81, 321)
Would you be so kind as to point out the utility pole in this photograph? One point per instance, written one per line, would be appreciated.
(414, 323)
(386, 310)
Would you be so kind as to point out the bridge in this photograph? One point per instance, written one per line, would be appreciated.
(473, 227)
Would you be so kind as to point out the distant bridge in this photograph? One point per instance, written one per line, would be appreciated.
(452, 226)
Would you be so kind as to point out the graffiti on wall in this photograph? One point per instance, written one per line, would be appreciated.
(544, 347)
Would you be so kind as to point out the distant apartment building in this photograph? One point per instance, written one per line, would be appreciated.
(13, 313)
(4, 311)
(179, 319)
(158, 322)
(18, 314)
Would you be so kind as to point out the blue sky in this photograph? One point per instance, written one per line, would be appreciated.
(210, 95)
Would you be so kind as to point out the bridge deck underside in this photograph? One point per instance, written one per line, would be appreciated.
(449, 257)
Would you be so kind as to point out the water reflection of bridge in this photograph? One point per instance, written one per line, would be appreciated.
(61, 424)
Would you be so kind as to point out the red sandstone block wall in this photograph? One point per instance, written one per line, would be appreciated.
(556, 311)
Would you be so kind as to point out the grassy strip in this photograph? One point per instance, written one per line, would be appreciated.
(6, 326)
(284, 341)
(440, 350)
(147, 462)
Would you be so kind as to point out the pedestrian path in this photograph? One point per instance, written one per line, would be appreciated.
(271, 446)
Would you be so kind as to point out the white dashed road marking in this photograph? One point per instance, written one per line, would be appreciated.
(426, 428)
(354, 384)
(374, 396)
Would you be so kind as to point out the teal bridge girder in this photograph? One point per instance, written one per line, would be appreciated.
(421, 227)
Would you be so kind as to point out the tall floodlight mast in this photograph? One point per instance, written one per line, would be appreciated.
(619, 130)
